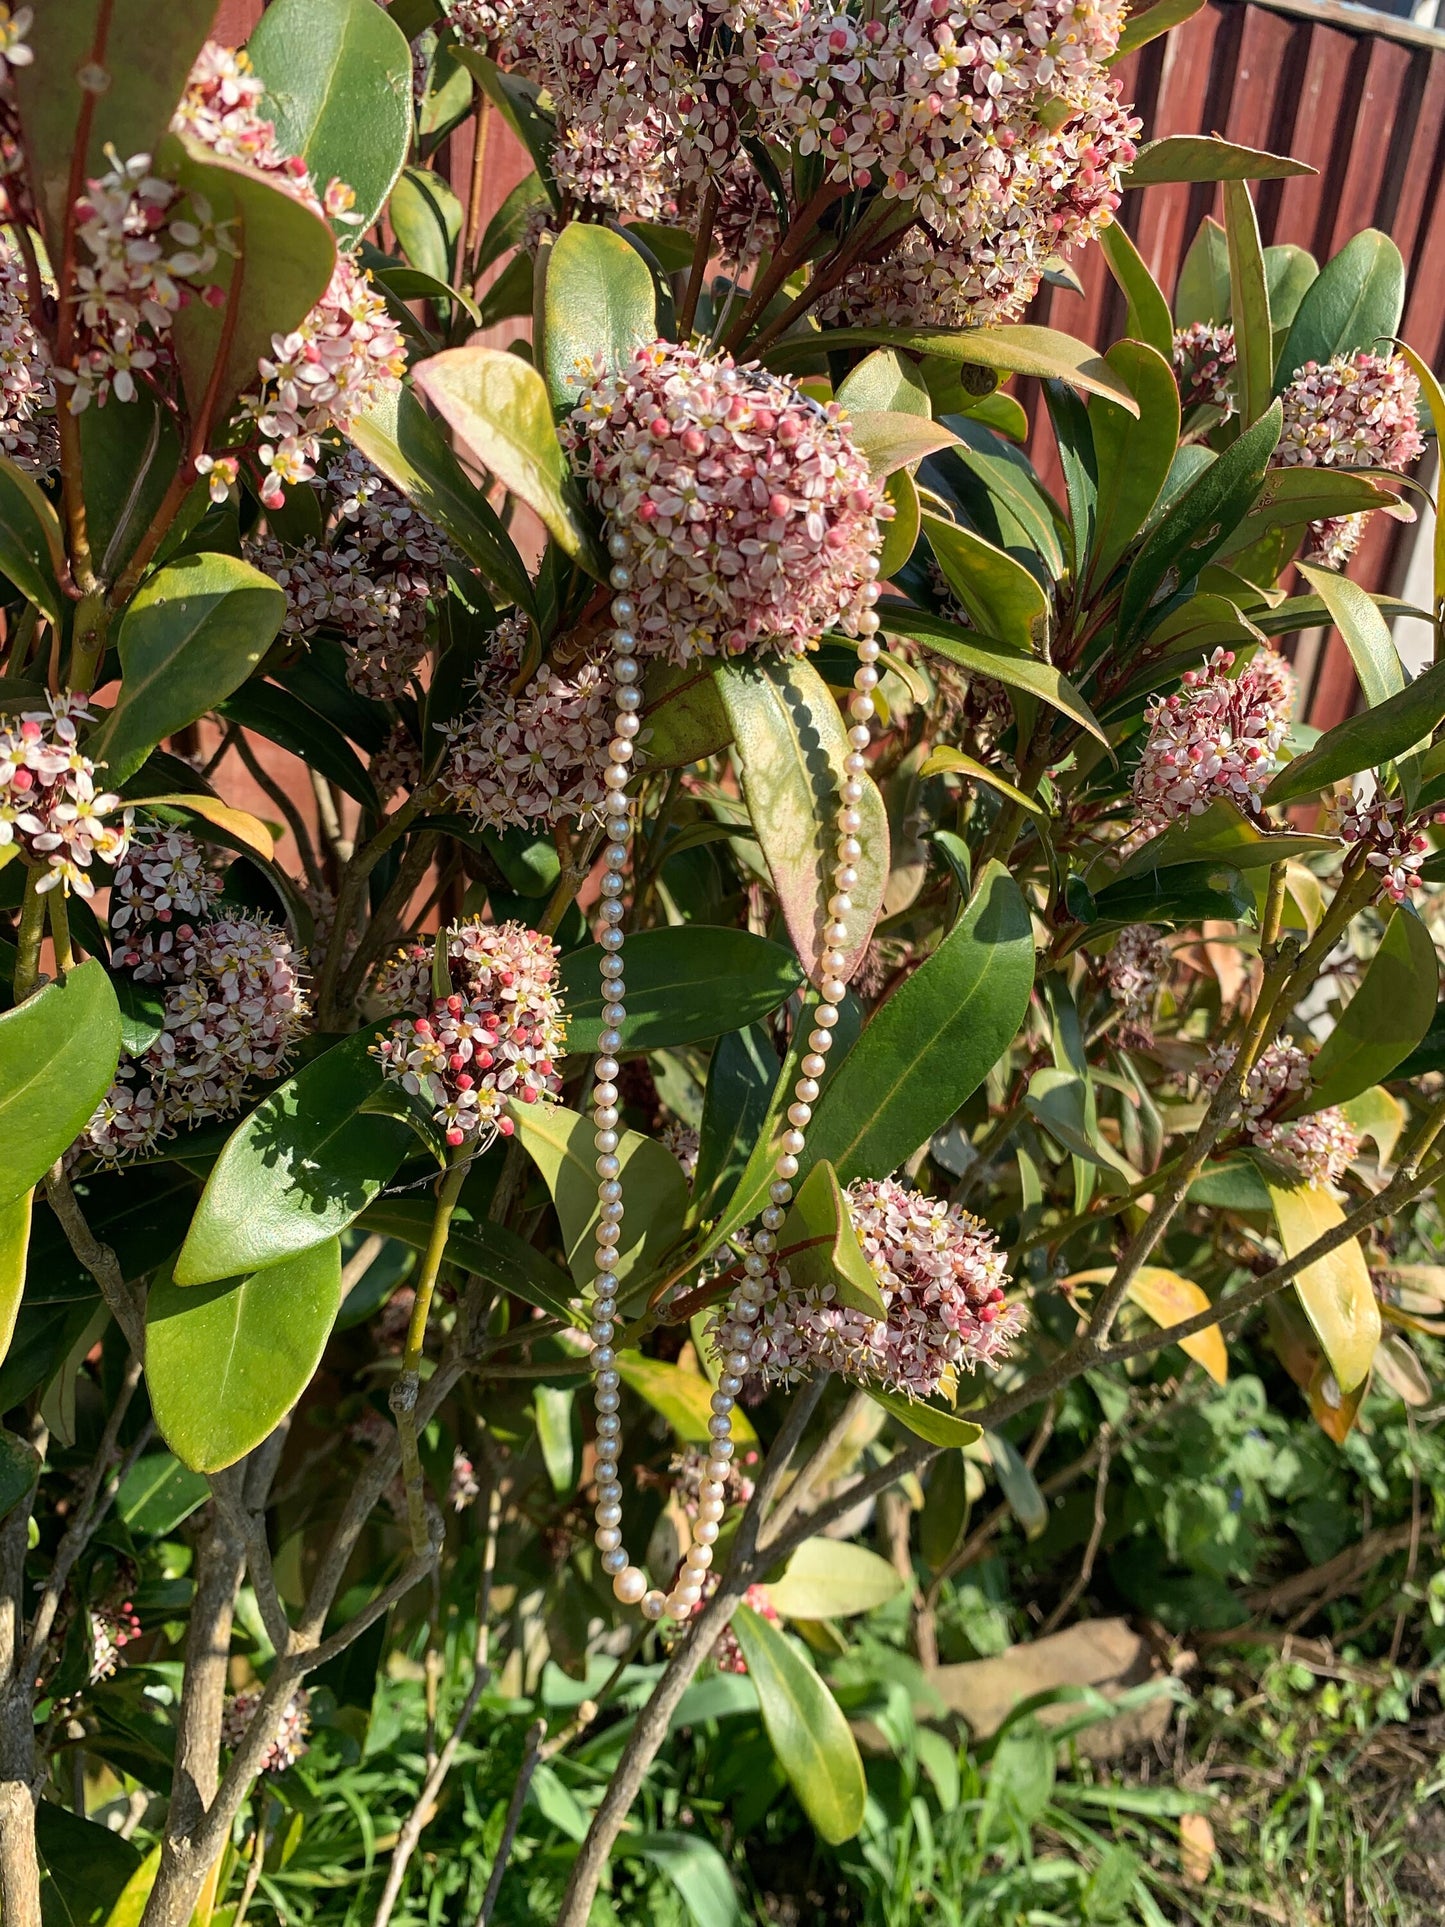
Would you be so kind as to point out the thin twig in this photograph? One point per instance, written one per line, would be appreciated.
(294, 819)
(536, 1733)
(1096, 1534)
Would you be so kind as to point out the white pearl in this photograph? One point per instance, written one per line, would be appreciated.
(781, 1192)
(736, 1363)
(626, 725)
(617, 543)
(609, 1515)
(608, 1167)
(605, 1140)
(719, 1426)
(654, 1604)
(699, 1557)
(608, 1425)
(614, 1562)
(730, 1383)
(612, 967)
(603, 1359)
(722, 1403)
(629, 700)
(605, 1117)
(607, 1067)
(866, 678)
(625, 670)
(620, 750)
(630, 1585)
(623, 610)
(611, 939)
(825, 1016)
(814, 1064)
(807, 1090)
(611, 1039)
(834, 987)
(773, 1216)
(800, 1115)
(849, 820)
(860, 708)
(609, 1492)
(787, 1165)
(607, 1538)
(715, 1471)
(868, 649)
(764, 1242)
(705, 1532)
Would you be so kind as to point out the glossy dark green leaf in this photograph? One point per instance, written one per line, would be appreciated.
(934, 1041)
(891, 439)
(1366, 634)
(145, 73)
(130, 452)
(926, 1420)
(477, 1245)
(1385, 1020)
(1253, 379)
(338, 87)
(1134, 453)
(1180, 894)
(157, 1493)
(560, 1144)
(1202, 293)
(1002, 597)
(192, 634)
(58, 1053)
(1204, 157)
(1198, 523)
(1290, 497)
(270, 712)
(19, 1465)
(1290, 271)
(1144, 24)
(284, 263)
(508, 225)
(812, 1739)
(790, 742)
(987, 656)
(900, 537)
(1366, 741)
(1017, 348)
(31, 546)
(84, 1867)
(406, 445)
(1074, 437)
(302, 1167)
(598, 302)
(885, 380)
(824, 1254)
(1000, 492)
(740, 1078)
(1148, 319)
(1355, 302)
(519, 102)
(427, 218)
(684, 984)
(225, 1362)
(14, 1250)
(1221, 834)
(497, 406)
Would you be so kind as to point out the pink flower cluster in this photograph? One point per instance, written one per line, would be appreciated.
(397, 764)
(1357, 411)
(996, 127)
(1395, 842)
(941, 1276)
(463, 1487)
(1217, 737)
(370, 578)
(290, 1743)
(234, 1004)
(28, 433)
(535, 755)
(1205, 357)
(112, 1629)
(50, 808)
(1134, 968)
(727, 1654)
(749, 514)
(497, 1037)
(1317, 1148)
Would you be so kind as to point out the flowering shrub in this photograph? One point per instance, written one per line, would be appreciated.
(772, 918)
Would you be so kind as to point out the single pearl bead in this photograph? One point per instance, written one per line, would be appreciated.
(787, 1165)
(620, 577)
(800, 1115)
(607, 1538)
(615, 1562)
(630, 1585)
(736, 1363)
(782, 1192)
(721, 1450)
(623, 610)
(866, 678)
(699, 1557)
(807, 1090)
(705, 1532)
(654, 1604)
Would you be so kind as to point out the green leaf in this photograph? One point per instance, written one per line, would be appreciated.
(1198, 523)
(19, 1468)
(885, 380)
(276, 715)
(559, 1142)
(32, 550)
(683, 1398)
(130, 1904)
(191, 635)
(1203, 290)
(934, 1041)
(84, 1867)
(1001, 596)
(415, 284)
(1249, 305)
(498, 407)
(1336, 1292)
(1147, 23)
(831, 1259)
(900, 535)
(685, 717)
(285, 261)
(145, 73)
(1289, 271)
(805, 1724)
(684, 984)
(1433, 396)
(945, 761)
(831, 1579)
(1204, 157)
(338, 87)
(58, 1053)
(740, 1079)
(1000, 492)
(1224, 834)
(302, 1167)
(427, 218)
(695, 1868)
(790, 742)
(932, 1422)
(987, 656)
(1384, 1021)
(476, 1244)
(1291, 497)
(225, 1362)
(1179, 893)
(1366, 741)
(518, 101)
(403, 441)
(1134, 453)
(1017, 348)
(1148, 319)
(898, 438)
(14, 1249)
(1017, 1483)
(598, 302)
(129, 452)
(1355, 302)
(1367, 636)
(158, 1493)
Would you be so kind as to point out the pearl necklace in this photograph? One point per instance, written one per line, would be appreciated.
(629, 1582)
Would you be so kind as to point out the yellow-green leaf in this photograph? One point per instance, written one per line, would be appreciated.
(1335, 1291)
(239, 824)
(831, 1579)
(14, 1248)
(805, 1724)
(945, 761)
(683, 1398)
(1169, 1299)
(829, 1256)
(926, 1421)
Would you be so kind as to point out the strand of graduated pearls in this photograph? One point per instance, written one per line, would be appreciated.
(629, 1582)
